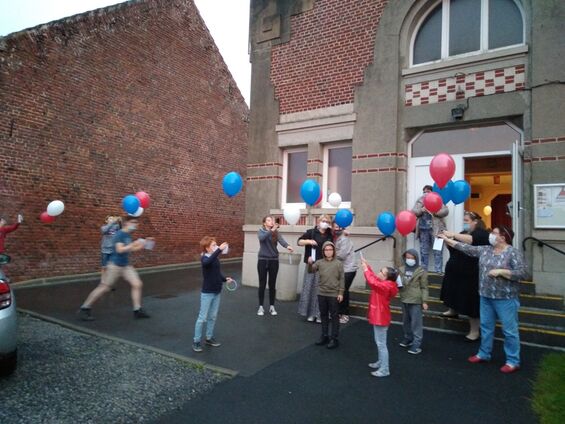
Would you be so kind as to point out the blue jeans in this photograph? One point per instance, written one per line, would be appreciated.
(412, 324)
(209, 305)
(507, 312)
(380, 339)
(427, 239)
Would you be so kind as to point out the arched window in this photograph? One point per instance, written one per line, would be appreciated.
(466, 27)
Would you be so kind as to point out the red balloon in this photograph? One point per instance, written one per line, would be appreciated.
(319, 198)
(46, 218)
(442, 168)
(405, 222)
(143, 199)
(433, 202)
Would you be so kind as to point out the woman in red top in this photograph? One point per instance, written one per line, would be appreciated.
(5, 229)
(383, 288)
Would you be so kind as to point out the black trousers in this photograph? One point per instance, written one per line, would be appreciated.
(329, 308)
(267, 269)
(344, 306)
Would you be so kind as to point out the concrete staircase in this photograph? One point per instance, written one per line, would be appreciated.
(542, 317)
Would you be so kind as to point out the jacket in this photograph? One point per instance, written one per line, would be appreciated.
(213, 277)
(346, 253)
(332, 279)
(315, 234)
(268, 249)
(414, 288)
(438, 222)
(379, 299)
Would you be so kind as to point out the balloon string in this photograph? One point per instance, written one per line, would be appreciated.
(376, 241)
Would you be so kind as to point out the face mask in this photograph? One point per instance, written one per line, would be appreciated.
(492, 239)
(338, 232)
(324, 225)
(133, 227)
(410, 262)
(466, 226)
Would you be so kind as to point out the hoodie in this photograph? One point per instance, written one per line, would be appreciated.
(332, 280)
(414, 288)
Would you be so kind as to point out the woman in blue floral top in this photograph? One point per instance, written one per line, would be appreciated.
(501, 267)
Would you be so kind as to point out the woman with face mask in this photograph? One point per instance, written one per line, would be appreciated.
(501, 267)
(460, 286)
(312, 240)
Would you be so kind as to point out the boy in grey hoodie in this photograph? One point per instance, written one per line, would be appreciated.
(413, 295)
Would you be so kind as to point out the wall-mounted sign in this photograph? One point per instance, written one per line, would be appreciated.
(549, 211)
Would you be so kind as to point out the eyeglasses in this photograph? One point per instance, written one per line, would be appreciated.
(474, 216)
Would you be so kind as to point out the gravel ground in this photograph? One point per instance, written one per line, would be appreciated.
(67, 377)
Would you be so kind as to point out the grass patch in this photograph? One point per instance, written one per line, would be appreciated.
(549, 390)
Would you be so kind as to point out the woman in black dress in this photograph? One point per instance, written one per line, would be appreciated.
(460, 287)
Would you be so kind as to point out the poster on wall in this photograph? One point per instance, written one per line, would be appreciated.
(549, 205)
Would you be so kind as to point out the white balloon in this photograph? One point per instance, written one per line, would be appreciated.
(292, 215)
(55, 208)
(335, 200)
(137, 213)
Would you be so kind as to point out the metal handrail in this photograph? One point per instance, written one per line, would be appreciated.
(377, 240)
(541, 243)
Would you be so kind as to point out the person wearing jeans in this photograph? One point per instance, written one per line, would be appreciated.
(345, 252)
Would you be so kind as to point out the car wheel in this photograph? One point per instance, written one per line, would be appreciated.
(9, 364)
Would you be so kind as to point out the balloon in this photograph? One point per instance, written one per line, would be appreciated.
(138, 212)
(319, 198)
(46, 218)
(385, 223)
(55, 208)
(144, 199)
(442, 168)
(334, 200)
(487, 210)
(343, 218)
(310, 192)
(232, 183)
(405, 222)
(433, 202)
(291, 215)
(130, 203)
(445, 192)
(460, 191)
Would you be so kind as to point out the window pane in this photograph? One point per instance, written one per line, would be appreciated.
(505, 24)
(339, 172)
(464, 26)
(296, 174)
(427, 46)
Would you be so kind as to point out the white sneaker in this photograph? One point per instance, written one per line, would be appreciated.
(319, 320)
(310, 319)
(272, 310)
(260, 311)
(375, 365)
(379, 373)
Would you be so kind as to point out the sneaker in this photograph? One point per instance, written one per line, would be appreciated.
(415, 350)
(310, 319)
(324, 340)
(272, 310)
(509, 369)
(318, 320)
(344, 319)
(197, 346)
(140, 313)
(213, 342)
(405, 343)
(85, 315)
(333, 344)
(375, 365)
(260, 311)
(476, 359)
(379, 373)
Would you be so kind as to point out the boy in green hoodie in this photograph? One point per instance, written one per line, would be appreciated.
(413, 295)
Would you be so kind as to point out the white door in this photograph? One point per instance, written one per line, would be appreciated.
(517, 180)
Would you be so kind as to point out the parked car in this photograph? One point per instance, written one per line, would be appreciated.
(8, 324)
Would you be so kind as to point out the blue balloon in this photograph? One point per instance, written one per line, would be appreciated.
(130, 203)
(343, 218)
(460, 191)
(232, 183)
(310, 191)
(445, 192)
(385, 223)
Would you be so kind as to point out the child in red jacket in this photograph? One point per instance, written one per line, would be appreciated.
(383, 288)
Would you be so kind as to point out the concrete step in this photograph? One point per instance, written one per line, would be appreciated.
(526, 287)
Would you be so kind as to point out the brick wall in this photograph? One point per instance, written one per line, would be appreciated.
(97, 106)
(329, 49)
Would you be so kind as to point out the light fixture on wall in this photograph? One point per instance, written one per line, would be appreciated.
(458, 111)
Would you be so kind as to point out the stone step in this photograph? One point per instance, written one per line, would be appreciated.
(526, 287)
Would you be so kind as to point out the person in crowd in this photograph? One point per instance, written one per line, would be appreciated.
(5, 229)
(383, 288)
(312, 240)
(345, 252)
(460, 287)
(428, 227)
(268, 262)
(108, 230)
(119, 266)
(213, 280)
(330, 291)
(501, 267)
(413, 295)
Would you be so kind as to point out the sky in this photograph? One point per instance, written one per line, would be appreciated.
(227, 21)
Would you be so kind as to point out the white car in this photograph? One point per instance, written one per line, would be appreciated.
(8, 324)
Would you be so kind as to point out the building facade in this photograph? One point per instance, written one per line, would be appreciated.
(106, 103)
(360, 95)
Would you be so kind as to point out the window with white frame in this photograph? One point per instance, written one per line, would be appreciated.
(456, 28)
(295, 167)
(337, 173)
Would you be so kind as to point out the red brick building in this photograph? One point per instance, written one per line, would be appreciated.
(103, 104)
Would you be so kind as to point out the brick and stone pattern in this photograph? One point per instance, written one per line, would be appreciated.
(462, 86)
(94, 107)
(330, 46)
